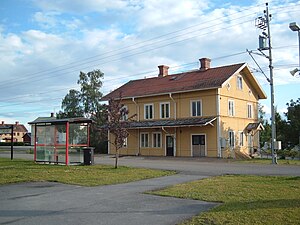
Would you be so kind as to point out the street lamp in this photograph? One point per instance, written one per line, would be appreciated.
(294, 27)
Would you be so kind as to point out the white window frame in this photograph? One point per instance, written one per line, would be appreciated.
(150, 116)
(249, 110)
(231, 108)
(231, 139)
(163, 114)
(155, 142)
(196, 112)
(241, 138)
(125, 143)
(144, 144)
(239, 82)
(124, 117)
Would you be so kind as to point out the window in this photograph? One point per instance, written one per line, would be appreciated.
(241, 139)
(231, 138)
(249, 110)
(148, 111)
(164, 110)
(125, 143)
(196, 108)
(239, 82)
(231, 108)
(156, 140)
(144, 140)
(124, 116)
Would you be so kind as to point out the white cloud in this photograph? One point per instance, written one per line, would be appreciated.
(79, 6)
(155, 13)
(66, 39)
(46, 19)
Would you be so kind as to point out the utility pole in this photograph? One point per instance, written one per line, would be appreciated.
(264, 24)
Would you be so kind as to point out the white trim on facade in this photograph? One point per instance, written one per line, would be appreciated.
(219, 150)
(231, 108)
(169, 110)
(148, 141)
(191, 107)
(249, 110)
(153, 143)
(150, 115)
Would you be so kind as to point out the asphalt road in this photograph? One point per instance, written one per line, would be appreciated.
(53, 203)
(202, 166)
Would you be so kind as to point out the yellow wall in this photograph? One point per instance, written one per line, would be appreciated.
(238, 122)
(180, 107)
(183, 141)
(180, 101)
(18, 136)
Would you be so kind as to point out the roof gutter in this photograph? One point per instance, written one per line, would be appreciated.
(170, 95)
(137, 108)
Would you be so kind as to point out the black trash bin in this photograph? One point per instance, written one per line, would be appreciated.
(88, 156)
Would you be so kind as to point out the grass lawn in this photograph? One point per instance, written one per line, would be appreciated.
(269, 161)
(26, 171)
(246, 199)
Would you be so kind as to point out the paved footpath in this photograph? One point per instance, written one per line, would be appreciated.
(53, 203)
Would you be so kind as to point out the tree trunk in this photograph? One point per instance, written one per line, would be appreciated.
(117, 157)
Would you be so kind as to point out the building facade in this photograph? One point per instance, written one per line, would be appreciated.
(19, 130)
(209, 112)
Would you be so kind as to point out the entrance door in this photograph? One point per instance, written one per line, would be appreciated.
(198, 145)
(170, 145)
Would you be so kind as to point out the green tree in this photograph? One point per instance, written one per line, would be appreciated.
(280, 129)
(293, 122)
(90, 95)
(71, 105)
(86, 102)
(265, 135)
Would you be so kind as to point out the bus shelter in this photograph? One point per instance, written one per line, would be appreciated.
(60, 141)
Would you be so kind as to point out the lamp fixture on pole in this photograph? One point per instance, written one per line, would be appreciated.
(294, 27)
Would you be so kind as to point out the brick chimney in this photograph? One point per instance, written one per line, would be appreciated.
(163, 70)
(17, 123)
(2, 122)
(204, 64)
(52, 114)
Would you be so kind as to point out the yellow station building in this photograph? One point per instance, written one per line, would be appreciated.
(208, 112)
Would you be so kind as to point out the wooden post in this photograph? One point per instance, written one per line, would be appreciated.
(12, 143)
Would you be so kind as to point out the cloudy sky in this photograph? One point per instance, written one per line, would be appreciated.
(45, 44)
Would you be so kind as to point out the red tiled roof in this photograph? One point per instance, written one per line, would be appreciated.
(188, 81)
(17, 127)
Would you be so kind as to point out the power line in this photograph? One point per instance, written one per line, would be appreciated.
(136, 48)
(141, 42)
(168, 44)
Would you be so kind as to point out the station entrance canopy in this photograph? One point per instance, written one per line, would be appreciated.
(60, 141)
